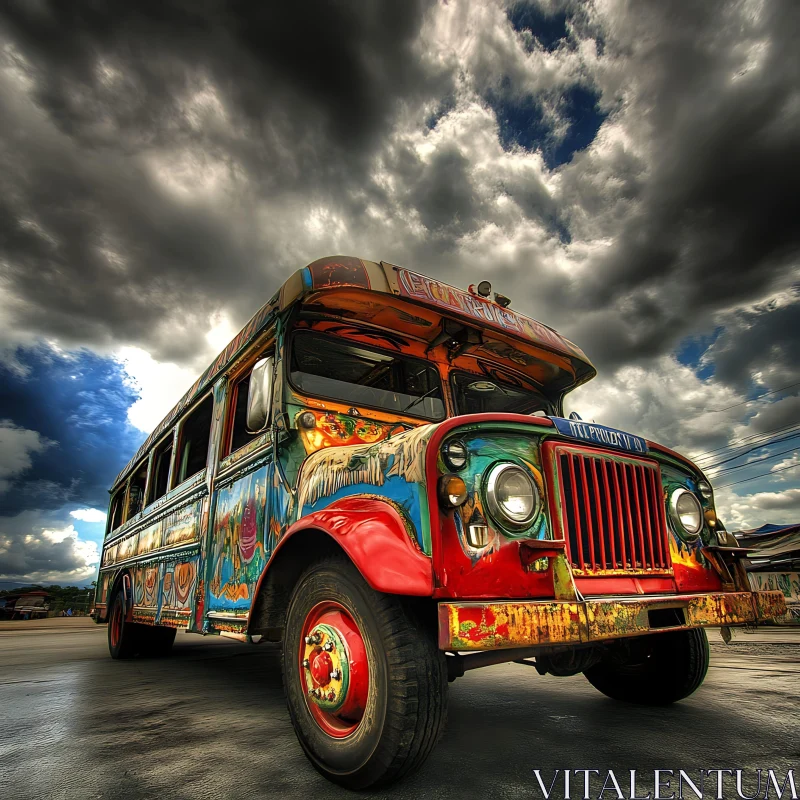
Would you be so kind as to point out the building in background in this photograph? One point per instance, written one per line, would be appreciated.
(774, 553)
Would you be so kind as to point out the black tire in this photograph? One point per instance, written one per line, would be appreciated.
(155, 641)
(658, 669)
(405, 711)
(123, 639)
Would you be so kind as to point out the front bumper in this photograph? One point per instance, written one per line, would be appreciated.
(498, 625)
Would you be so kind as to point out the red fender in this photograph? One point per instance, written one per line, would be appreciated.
(374, 536)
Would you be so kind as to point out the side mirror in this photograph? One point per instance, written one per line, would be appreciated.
(259, 397)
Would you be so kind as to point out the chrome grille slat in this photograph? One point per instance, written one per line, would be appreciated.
(612, 513)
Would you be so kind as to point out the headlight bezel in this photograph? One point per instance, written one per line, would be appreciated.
(686, 533)
(495, 508)
(455, 461)
(705, 490)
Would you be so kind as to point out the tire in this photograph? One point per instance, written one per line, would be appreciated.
(381, 718)
(122, 634)
(155, 641)
(658, 669)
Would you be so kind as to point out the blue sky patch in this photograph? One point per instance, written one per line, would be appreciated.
(80, 401)
(522, 123)
(548, 28)
(691, 349)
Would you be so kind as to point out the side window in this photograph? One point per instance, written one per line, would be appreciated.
(194, 438)
(117, 505)
(240, 436)
(160, 482)
(138, 482)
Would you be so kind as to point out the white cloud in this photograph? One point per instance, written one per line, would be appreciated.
(35, 547)
(752, 511)
(787, 466)
(17, 445)
(160, 386)
(664, 401)
(88, 514)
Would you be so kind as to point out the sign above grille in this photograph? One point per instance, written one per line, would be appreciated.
(600, 434)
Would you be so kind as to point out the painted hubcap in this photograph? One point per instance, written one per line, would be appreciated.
(333, 669)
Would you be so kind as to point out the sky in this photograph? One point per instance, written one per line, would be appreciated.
(623, 171)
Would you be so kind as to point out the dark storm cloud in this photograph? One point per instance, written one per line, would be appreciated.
(444, 194)
(305, 92)
(338, 67)
(714, 222)
(77, 402)
(770, 333)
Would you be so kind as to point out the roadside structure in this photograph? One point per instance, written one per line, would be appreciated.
(774, 553)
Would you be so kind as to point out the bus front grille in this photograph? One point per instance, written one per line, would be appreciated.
(612, 513)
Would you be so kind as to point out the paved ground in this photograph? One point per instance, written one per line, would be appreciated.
(210, 722)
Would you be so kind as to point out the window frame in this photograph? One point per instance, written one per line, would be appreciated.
(145, 461)
(120, 494)
(177, 442)
(170, 437)
(451, 380)
(234, 379)
(427, 363)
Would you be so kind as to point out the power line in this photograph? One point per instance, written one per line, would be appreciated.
(732, 454)
(732, 444)
(756, 461)
(755, 447)
(744, 402)
(755, 477)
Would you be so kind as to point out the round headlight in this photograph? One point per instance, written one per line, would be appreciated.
(511, 495)
(704, 487)
(455, 454)
(686, 512)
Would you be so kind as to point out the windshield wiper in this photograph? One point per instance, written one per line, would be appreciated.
(419, 399)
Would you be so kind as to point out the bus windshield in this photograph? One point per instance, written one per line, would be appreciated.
(336, 369)
(477, 395)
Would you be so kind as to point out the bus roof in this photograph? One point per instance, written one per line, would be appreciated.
(339, 272)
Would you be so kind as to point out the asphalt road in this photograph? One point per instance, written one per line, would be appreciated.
(210, 722)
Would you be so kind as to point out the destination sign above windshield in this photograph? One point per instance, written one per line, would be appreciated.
(420, 287)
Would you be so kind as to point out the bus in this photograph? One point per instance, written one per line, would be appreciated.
(377, 473)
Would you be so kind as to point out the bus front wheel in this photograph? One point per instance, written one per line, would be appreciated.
(657, 669)
(365, 682)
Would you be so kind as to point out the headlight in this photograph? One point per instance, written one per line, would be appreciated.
(704, 487)
(455, 454)
(686, 512)
(512, 496)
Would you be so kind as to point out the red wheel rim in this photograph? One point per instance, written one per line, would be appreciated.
(116, 624)
(334, 672)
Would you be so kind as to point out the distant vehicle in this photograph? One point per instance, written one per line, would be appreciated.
(377, 472)
(32, 605)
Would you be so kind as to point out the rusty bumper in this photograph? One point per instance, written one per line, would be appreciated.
(497, 625)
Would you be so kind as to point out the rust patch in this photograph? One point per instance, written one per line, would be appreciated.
(494, 626)
(770, 605)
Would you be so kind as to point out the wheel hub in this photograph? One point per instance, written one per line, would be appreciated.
(334, 671)
(326, 667)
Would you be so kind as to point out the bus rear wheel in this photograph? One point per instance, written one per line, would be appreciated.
(657, 669)
(122, 633)
(365, 682)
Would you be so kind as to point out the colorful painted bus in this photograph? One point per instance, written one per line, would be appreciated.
(377, 473)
